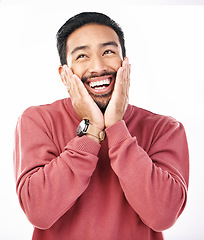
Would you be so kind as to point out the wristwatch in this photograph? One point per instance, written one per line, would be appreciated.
(85, 127)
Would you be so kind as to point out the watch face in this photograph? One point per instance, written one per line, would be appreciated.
(82, 128)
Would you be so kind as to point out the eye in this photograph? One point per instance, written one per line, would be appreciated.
(108, 52)
(81, 56)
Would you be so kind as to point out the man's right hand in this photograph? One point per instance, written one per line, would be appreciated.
(82, 102)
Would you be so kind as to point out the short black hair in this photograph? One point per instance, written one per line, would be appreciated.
(80, 20)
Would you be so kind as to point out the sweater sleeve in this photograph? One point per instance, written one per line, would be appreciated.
(155, 181)
(49, 182)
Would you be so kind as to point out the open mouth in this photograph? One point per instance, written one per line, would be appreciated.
(100, 84)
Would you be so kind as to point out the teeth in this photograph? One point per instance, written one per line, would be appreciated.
(100, 88)
(99, 83)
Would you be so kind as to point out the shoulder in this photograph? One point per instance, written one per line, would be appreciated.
(47, 109)
(150, 120)
(150, 127)
(44, 113)
(145, 115)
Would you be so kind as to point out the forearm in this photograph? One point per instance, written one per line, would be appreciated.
(155, 189)
(47, 191)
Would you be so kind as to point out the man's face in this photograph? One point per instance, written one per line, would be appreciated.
(94, 54)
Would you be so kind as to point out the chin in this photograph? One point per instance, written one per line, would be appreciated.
(102, 102)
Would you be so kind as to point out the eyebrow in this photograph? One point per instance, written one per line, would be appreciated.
(79, 48)
(110, 43)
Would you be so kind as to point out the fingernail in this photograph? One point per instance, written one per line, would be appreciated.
(65, 67)
(63, 76)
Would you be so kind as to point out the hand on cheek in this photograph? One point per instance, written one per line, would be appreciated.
(82, 102)
(120, 97)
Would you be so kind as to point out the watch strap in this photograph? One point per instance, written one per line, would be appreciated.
(96, 132)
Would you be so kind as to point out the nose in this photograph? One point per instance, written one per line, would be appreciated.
(97, 65)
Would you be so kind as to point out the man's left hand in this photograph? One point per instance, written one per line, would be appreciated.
(120, 97)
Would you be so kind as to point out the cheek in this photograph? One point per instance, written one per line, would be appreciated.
(116, 63)
(77, 69)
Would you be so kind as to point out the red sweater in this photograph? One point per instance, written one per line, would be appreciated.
(132, 186)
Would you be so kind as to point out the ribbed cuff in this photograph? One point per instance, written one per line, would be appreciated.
(117, 133)
(84, 144)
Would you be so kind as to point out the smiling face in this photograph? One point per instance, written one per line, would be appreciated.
(94, 54)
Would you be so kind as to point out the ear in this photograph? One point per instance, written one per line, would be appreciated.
(62, 74)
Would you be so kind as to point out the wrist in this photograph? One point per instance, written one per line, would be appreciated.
(97, 125)
(93, 138)
(87, 128)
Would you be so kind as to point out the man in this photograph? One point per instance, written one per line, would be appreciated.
(93, 166)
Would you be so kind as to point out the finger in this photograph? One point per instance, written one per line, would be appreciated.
(118, 81)
(126, 78)
(76, 87)
(123, 75)
(66, 76)
(127, 68)
(128, 74)
(68, 72)
(72, 80)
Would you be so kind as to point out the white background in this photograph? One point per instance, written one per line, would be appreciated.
(165, 44)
